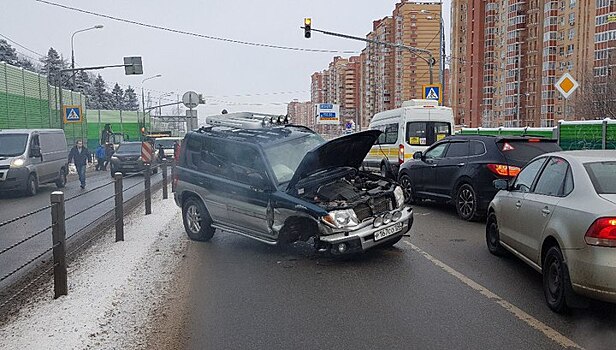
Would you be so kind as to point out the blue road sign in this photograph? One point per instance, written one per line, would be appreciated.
(432, 92)
(72, 114)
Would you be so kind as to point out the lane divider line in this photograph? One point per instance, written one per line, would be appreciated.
(548, 331)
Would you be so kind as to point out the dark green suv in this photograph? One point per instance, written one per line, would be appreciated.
(282, 184)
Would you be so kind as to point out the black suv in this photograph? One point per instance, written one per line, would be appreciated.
(462, 169)
(283, 184)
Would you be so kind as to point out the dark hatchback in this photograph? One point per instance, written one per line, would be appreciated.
(461, 169)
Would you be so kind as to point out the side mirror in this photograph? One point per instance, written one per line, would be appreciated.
(258, 181)
(35, 152)
(418, 155)
(501, 184)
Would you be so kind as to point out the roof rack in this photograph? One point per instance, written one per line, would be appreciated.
(246, 120)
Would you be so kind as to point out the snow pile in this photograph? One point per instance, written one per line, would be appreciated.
(113, 289)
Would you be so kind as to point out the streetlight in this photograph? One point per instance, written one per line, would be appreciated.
(98, 26)
(143, 94)
(442, 47)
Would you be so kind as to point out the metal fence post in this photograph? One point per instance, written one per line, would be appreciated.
(148, 191)
(119, 207)
(163, 168)
(58, 231)
(604, 135)
(173, 177)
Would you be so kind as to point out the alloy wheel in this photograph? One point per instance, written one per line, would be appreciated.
(466, 201)
(193, 217)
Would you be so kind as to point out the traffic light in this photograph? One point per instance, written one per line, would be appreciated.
(307, 24)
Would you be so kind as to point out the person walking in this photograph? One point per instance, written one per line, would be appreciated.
(100, 157)
(80, 155)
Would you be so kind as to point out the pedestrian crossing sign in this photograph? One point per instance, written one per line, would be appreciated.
(433, 92)
(72, 114)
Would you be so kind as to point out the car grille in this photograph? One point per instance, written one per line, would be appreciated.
(3, 167)
(379, 205)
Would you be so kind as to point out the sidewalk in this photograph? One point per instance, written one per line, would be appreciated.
(114, 289)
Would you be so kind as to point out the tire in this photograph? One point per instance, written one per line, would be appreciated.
(493, 237)
(407, 185)
(555, 280)
(384, 172)
(31, 185)
(391, 243)
(466, 202)
(197, 221)
(61, 181)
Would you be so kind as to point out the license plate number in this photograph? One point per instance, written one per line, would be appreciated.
(388, 231)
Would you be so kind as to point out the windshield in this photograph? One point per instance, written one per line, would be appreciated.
(12, 145)
(603, 176)
(129, 148)
(285, 157)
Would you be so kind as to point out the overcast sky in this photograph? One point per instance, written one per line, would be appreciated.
(218, 69)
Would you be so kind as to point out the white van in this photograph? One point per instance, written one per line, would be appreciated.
(413, 127)
(29, 158)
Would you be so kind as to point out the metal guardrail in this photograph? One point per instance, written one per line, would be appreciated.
(58, 227)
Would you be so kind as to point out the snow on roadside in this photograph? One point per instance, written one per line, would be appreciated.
(114, 288)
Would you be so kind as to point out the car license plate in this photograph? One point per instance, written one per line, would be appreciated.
(388, 231)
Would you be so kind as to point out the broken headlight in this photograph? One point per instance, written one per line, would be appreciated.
(341, 218)
(399, 195)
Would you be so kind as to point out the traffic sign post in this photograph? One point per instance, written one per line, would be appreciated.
(433, 92)
(566, 85)
(72, 114)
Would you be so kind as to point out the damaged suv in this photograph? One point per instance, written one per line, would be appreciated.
(280, 184)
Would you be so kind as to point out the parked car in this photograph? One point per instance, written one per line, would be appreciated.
(29, 158)
(461, 169)
(127, 159)
(280, 184)
(559, 216)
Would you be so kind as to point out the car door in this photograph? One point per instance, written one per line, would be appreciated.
(248, 201)
(425, 169)
(539, 205)
(449, 168)
(508, 212)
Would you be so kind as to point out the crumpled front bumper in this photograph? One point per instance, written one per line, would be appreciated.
(361, 238)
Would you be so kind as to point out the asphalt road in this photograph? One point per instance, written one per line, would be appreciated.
(13, 205)
(437, 289)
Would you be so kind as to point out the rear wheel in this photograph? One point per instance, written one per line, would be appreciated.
(197, 221)
(384, 171)
(493, 236)
(555, 280)
(31, 185)
(466, 202)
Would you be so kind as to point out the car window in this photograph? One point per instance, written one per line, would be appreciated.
(457, 150)
(477, 148)
(244, 161)
(436, 152)
(525, 179)
(603, 176)
(552, 179)
(568, 187)
(389, 135)
(416, 133)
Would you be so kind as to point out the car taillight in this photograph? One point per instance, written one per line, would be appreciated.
(401, 154)
(602, 233)
(504, 170)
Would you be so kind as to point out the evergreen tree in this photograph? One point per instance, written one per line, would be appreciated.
(26, 64)
(130, 99)
(7, 53)
(117, 97)
(100, 98)
(52, 64)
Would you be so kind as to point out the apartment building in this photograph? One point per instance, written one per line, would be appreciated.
(301, 113)
(508, 54)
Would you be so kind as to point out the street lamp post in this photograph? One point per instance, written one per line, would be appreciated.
(442, 49)
(143, 94)
(99, 26)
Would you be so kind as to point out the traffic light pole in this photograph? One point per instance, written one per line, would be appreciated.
(413, 50)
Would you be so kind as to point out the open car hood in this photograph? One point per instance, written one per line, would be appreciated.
(345, 151)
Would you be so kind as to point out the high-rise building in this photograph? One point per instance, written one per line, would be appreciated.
(301, 113)
(508, 54)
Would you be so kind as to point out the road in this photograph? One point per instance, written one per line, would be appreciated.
(437, 289)
(13, 206)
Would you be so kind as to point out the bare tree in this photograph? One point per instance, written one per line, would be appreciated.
(596, 97)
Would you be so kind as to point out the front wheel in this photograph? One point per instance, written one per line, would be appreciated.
(466, 202)
(555, 280)
(407, 185)
(197, 221)
(493, 236)
(31, 185)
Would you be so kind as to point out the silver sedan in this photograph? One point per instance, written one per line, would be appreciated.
(559, 216)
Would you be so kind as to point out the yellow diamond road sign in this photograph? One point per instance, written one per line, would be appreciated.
(566, 85)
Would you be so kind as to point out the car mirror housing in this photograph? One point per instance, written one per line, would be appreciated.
(418, 155)
(501, 184)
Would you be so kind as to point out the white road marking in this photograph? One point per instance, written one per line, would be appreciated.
(548, 331)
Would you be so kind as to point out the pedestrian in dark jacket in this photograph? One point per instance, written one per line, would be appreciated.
(80, 155)
(100, 158)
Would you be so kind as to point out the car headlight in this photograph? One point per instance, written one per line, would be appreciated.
(18, 162)
(341, 218)
(399, 195)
